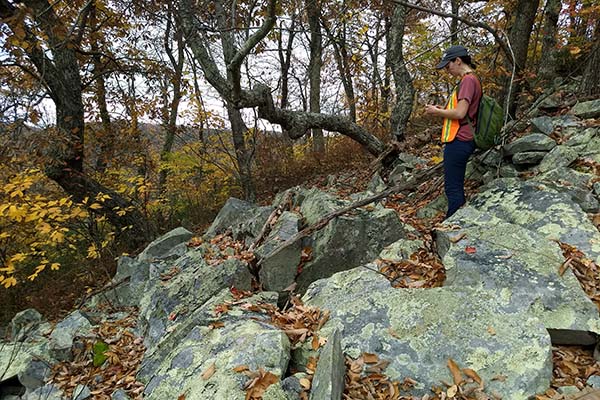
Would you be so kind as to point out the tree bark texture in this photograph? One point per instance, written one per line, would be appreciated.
(171, 122)
(547, 68)
(313, 11)
(519, 35)
(61, 76)
(404, 88)
(590, 85)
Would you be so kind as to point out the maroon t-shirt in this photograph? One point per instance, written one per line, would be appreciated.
(470, 90)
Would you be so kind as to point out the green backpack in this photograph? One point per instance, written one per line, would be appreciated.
(490, 120)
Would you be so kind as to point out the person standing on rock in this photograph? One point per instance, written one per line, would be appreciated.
(460, 116)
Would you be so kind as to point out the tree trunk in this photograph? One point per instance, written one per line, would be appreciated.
(519, 35)
(340, 52)
(404, 88)
(547, 69)
(454, 22)
(590, 85)
(171, 122)
(106, 138)
(313, 11)
(60, 74)
(243, 156)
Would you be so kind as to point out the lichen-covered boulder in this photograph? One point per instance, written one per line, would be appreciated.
(487, 252)
(161, 246)
(587, 109)
(66, 331)
(560, 156)
(187, 283)
(244, 219)
(347, 241)
(541, 209)
(29, 362)
(528, 157)
(198, 361)
(419, 330)
(328, 382)
(533, 142)
(24, 323)
(279, 270)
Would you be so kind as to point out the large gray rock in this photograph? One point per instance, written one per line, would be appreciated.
(328, 382)
(244, 219)
(180, 365)
(279, 270)
(580, 138)
(533, 142)
(24, 324)
(540, 209)
(191, 286)
(542, 124)
(560, 156)
(161, 246)
(347, 241)
(419, 330)
(65, 333)
(577, 185)
(26, 361)
(528, 157)
(47, 392)
(523, 266)
(587, 109)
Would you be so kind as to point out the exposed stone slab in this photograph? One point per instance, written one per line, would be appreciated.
(162, 245)
(560, 156)
(192, 286)
(541, 209)
(542, 124)
(65, 332)
(278, 272)
(419, 330)
(533, 142)
(347, 241)
(523, 265)
(177, 366)
(528, 157)
(243, 218)
(24, 323)
(328, 382)
(587, 109)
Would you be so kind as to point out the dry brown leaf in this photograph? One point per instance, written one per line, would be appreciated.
(305, 383)
(491, 330)
(370, 358)
(455, 371)
(181, 397)
(473, 375)
(241, 368)
(210, 371)
(452, 390)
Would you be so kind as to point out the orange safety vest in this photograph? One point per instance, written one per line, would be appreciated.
(450, 126)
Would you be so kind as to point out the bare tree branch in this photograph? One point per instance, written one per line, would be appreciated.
(466, 21)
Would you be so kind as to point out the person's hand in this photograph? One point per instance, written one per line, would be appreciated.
(432, 109)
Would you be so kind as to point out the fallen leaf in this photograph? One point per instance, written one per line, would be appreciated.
(491, 330)
(473, 375)
(305, 383)
(241, 368)
(216, 325)
(455, 371)
(458, 237)
(470, 250)
(370, 358)
(181, 397)
(210, 371)
(452, 390)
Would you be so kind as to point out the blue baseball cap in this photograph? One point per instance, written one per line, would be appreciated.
(452, 53)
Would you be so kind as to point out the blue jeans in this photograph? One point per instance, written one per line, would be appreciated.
(456, 155)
